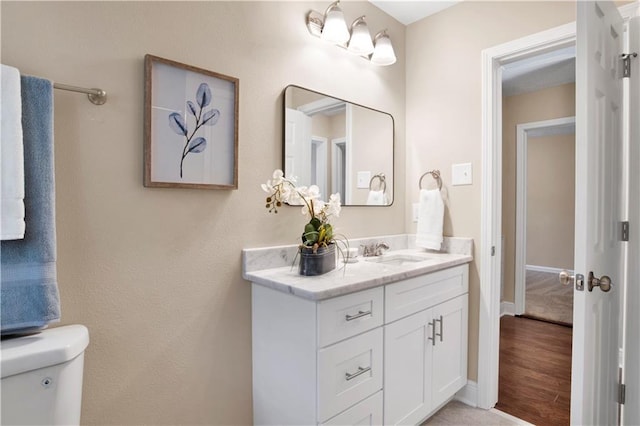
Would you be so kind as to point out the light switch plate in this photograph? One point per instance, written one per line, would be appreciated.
(461, 174)
(363, 179)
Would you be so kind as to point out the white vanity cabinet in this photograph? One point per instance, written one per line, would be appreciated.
(425, 352)
(385, 355)
(314, 360)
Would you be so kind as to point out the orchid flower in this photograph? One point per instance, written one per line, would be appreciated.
(318, 231)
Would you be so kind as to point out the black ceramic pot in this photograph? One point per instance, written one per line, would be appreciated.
(318, 263)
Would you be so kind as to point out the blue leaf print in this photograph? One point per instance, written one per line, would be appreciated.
(210, 117)
(177, 124)
(203, 95)
(197, 145)
(192, 108)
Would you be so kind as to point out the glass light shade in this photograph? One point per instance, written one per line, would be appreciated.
(383, 53)
(335, 28)
(360, 42)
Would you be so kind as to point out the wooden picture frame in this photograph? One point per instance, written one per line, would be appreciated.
(190, 126)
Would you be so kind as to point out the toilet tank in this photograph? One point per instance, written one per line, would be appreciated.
(42, 377)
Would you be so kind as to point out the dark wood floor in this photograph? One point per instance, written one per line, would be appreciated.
(535, 370)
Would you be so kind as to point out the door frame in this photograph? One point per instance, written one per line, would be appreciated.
(319, 143)
(524, 131)
(490, 248)
(491, 223)
(338, 152)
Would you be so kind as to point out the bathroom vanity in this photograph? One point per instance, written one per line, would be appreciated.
(383, 341)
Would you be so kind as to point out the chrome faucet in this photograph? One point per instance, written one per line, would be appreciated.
(374, 249)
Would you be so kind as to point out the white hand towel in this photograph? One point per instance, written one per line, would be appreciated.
(377, 198)
(430, 219)
(12, 225)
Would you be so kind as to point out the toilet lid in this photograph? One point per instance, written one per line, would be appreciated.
(46, 348)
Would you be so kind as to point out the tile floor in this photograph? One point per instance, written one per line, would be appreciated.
(459, 414)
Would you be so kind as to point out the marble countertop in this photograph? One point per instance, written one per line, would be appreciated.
(363, 274)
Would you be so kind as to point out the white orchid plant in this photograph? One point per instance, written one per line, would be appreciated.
(318, 232)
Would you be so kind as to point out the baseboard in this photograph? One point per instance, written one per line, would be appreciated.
(468, 394)
(507, 308)
(547, 269)
(512, 419)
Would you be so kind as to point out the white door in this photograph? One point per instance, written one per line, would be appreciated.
(297, 140)
(596, 314)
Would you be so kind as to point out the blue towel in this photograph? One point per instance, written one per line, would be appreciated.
(29, 298)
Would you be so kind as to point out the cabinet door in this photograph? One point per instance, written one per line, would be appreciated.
(407, 361)
(449, 362)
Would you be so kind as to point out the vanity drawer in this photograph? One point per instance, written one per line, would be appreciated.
(367, 412)
(346, 316)
(348, 372)
(415, 294)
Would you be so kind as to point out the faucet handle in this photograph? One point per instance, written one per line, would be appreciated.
(380, 247)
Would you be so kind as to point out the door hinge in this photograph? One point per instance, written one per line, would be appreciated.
(626, 64)
(493, 250)
(622, 393)
(625, 231)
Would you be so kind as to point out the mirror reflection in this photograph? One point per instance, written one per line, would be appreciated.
(338, 146)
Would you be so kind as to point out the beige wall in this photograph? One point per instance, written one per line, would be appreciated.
(155, 273)
(551, 201)
(546, 104)
(444, 117)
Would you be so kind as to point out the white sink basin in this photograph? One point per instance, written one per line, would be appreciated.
(397, 259)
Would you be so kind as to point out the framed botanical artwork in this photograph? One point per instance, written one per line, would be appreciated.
(191, 127)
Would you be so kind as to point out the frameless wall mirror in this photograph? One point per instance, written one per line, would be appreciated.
(338, 146)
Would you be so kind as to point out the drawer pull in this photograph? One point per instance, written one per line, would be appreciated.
(440, 321)
(433, 333)
(360, 314)
(357, 373)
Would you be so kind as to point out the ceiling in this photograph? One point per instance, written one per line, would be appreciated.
(527, 75)
(408, 12)
(539, 72)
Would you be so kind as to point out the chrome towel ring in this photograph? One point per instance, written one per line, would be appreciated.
(382, 185)
(435, 174)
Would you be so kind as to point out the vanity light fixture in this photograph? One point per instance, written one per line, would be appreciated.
(383, 53)
(332, 27)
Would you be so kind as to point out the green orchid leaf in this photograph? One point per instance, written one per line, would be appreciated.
(310, 237)
(316, 223)
(328, 232)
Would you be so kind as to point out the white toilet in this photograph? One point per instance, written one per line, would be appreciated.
(42, 377)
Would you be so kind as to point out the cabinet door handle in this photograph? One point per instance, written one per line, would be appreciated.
(440, 321)
(360, 314)
(360, 371)
(433, 333)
